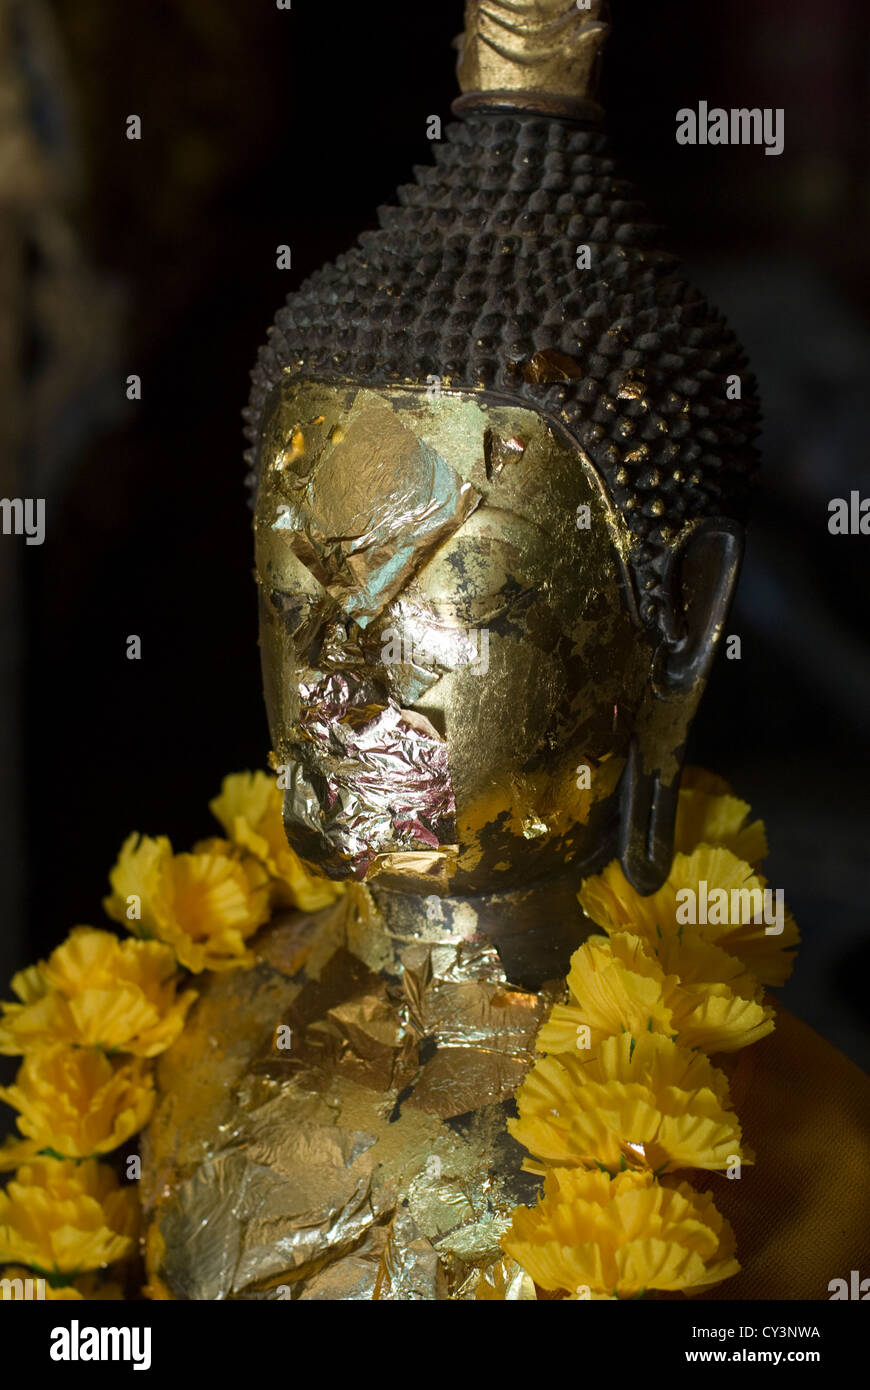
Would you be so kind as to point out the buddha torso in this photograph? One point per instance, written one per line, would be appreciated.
(332, 1123)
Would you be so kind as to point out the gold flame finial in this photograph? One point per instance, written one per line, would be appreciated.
(532, 55)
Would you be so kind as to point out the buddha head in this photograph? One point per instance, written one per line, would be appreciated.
(500, 455)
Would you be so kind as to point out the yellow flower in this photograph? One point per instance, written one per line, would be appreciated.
(205, 906)
(596, 1237)
(642, 1103)
(705, 818)
(698, 779)
(249, 809)
(65, 1217)
(215, 844)
(684, 988)
(609, 899)
(77, 1102)
(95, 990)
(14, 1287)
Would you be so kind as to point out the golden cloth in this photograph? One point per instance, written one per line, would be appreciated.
(801, 1214)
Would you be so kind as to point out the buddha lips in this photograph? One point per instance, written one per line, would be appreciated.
(371, 778)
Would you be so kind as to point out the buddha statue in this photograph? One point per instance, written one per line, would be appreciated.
(500, 455)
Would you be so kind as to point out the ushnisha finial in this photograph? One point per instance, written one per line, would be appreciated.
(532, 55)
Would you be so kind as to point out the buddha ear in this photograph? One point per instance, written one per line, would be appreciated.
(701, 579)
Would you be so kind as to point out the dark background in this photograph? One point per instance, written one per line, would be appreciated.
(157, 257)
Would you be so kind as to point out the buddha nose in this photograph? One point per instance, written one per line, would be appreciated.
(341, 646)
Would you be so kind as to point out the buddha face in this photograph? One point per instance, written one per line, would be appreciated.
(452, 668)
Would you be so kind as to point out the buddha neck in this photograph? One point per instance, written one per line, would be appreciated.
(534, 929)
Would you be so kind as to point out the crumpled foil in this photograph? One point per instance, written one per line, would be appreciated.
(419, 644)
(370, 1159)
(370, 777)
(364, 529)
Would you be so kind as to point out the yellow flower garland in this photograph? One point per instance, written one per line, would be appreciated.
(600, 1237)
(90, 1019)
(622, 1097)
(625, 1094)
